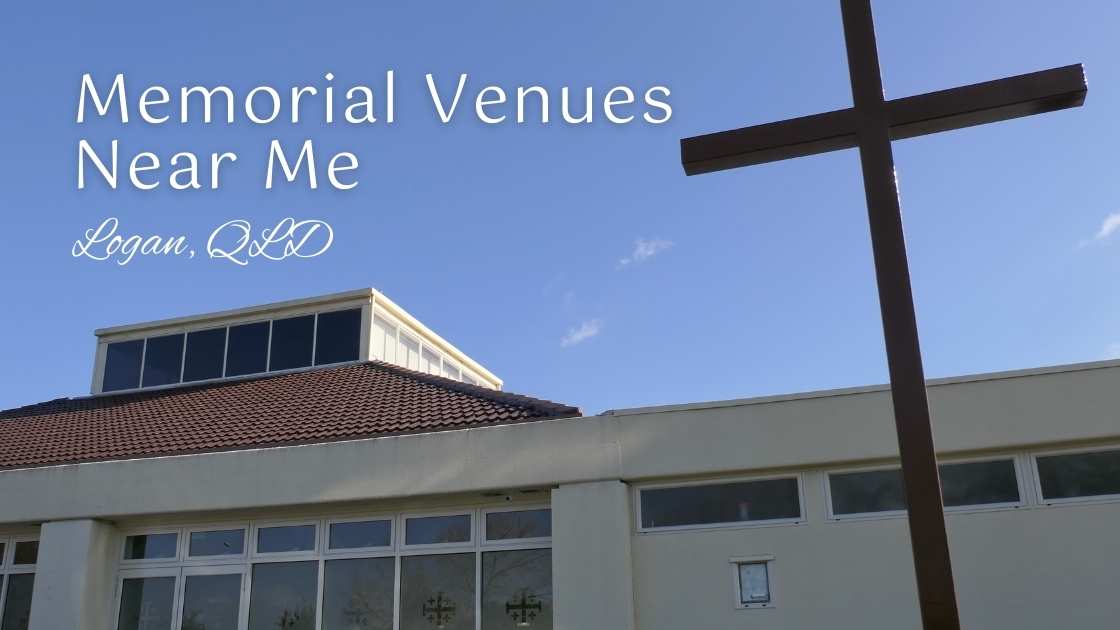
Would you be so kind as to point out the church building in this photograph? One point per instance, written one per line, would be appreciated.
(332, 463)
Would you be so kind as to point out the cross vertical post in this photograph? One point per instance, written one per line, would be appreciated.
(928, 537)
(870, 125)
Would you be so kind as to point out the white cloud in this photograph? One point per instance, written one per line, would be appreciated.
(585, 331)
(1109, 227)
(644, 250)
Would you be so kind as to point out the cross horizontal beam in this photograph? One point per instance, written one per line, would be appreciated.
(955, 108)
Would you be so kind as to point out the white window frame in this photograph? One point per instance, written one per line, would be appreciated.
(184, 566)
(8, 567)
(257, 556)
(190, 570)
(773, 522)
(146, 562)
(1037, 479)
(360, 552)
(146, 572)
(737, 591)
(507, 543)
(241, 558)
(408, 549)
(1020, 484)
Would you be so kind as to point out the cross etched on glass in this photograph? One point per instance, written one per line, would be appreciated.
(439, 610)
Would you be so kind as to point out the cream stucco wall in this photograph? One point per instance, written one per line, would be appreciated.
(1032, 567)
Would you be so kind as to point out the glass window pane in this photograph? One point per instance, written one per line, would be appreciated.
(517, 589)
(291, 342)
(522, 524)
(437, 592)
(360, 534)
(337, 336)
(226, 542)
(358, 594)
(146, 603)
(163, 360)
(1, 553)
(27, 552)
(284, 596)
(206, 350)
(211, 602)
(979, 483)
(1079, 475)
(286, 538)
(754, 583)
(151, 546)
(434, 530)
(122, 365)
(867, 491)
(248, 349)
(721, 503)
(17, 602)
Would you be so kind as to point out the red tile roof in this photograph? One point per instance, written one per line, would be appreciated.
(352, 401)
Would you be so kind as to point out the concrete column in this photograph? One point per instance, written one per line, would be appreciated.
(74, 577)
(592, 572)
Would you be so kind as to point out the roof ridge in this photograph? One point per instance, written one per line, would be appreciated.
(496, 395)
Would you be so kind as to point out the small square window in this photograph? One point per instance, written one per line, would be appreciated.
(27, 552)
(752, 582)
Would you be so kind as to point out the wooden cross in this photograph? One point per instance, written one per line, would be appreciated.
(871, 124)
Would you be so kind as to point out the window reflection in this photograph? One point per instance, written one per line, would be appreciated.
(521, 524)
(517, 589)
(291, 342)
(146, 603)
(761, 500)
(283, 596)
(226, 542)
(163, 360)
(437, 592)
(17, 602)
(206, 352)
(27, 552)
(358, 594)
(359, 534)
(1079, 475)
(248, 349)
(151, 546)
(437, 530)
(211, 602)
(122, 365)
(337, 336)
(867, 491)
(286, 538)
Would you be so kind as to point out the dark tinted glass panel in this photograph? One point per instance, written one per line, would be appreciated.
(163, 360)
(226, 542)
(206, 351)
(1079, 475)
(291, 342)
(721, 503)
(438, 592)
(360, 534)
(979, 483)
(248, 349)
(151, 546)
(17, 602)
(434, 530)
(337, 336)
(867, 491)
(146, 603)
(27, 552)
(122, 365)
(211, 602)
(286, 538)
(517, 590)
(283, 596)
(524, 524)
(358, 594)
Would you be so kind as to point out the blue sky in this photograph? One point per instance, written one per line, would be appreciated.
(510, 240)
